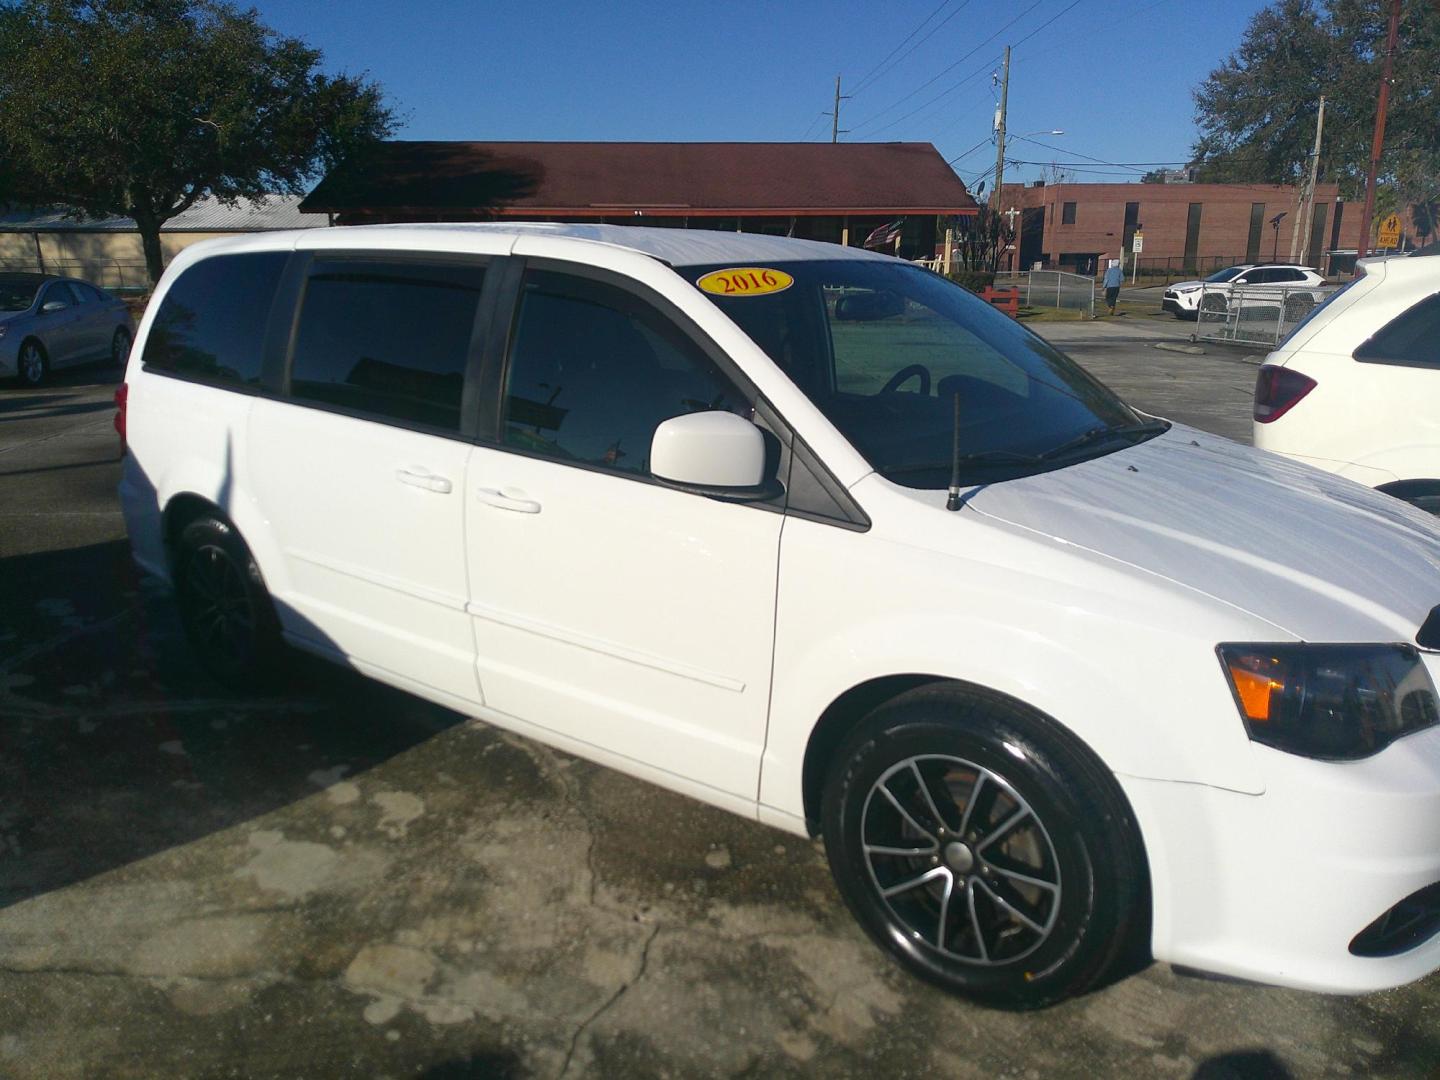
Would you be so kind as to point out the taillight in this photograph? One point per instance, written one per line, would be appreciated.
(122, 394)
(1278, 390)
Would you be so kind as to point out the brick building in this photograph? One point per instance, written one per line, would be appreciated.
(1187, 228)
(820, 191)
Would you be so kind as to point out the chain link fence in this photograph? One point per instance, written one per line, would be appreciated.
(110, 274)
(1257, 315)
(1052, 288)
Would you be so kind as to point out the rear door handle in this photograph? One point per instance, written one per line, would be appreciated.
(422, 479)
(502, 501)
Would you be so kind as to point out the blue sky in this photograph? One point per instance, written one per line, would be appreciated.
(1115, 75)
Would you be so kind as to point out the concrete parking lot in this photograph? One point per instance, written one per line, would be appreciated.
(344, 881)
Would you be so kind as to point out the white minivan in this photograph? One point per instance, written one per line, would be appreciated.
(816, 536)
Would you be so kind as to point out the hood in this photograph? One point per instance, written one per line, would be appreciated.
(6, 316)
(1319, 557)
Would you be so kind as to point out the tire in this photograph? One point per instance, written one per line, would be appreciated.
(32, 367)
(225, 608)
(1297, 306)
(120, 347)
(1038, 902)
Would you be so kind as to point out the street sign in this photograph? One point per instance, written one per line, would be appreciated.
(1389, 235)
(1137, 242)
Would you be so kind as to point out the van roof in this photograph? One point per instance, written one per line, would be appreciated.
(677, 247)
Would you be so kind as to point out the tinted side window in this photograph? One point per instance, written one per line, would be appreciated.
(79, 292)
(1410, 338)
(391, 339)
(211, 324)
(58, 291)
(594, 371)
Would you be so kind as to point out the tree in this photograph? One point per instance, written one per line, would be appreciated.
(140, 107)
(1256, 111)
(980, 238)
(1426, 216)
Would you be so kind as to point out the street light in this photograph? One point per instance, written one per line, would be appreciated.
(1275, 224)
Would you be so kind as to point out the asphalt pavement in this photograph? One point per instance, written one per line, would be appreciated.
(341, 880)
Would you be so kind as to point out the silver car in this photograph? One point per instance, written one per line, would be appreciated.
(49, 322)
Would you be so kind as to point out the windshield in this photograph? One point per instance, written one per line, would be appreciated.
(884, 348)
(1226, 274)
(17, 291)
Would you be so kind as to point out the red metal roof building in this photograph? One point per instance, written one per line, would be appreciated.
(838, 192)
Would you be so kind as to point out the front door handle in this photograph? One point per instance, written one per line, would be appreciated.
(422, 479)
(502, 501)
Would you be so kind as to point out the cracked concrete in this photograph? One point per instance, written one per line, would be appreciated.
(343, 881)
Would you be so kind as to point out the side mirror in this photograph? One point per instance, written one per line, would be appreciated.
(717, 454)
(52, 306)
(1241, 281)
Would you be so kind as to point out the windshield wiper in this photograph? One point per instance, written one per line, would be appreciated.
(1097, 434)
(981, 457)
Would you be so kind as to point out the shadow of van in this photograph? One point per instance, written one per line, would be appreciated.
(115, 745)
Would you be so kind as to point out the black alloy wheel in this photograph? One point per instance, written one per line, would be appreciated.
(984, 848)
(226, 611)
(120, 347)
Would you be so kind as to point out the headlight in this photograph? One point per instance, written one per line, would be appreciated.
(3, 328)
(1333, 702)
(1189, 289)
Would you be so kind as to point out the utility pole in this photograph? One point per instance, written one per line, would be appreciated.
(1378, 141)
(995, 192)
(835, 130)
(1300, 238)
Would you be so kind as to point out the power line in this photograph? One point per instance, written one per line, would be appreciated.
(1105, 29)
(813, 122)
(938, 101)
(876, 73)
(1075, 153)
(1046, 23)
(945, 71)
(967, 153)
(943, 94)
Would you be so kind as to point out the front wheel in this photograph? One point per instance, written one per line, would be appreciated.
(982, 848)
(225, 609)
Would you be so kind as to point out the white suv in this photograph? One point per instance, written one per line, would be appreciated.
(816, 536)
(1356, 388)
(1185, 298)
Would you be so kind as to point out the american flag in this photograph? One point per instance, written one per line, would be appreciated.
(884, 235)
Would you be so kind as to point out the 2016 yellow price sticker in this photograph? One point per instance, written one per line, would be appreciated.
(745, 281)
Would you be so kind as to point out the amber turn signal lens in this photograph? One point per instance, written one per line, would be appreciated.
(1254, 689)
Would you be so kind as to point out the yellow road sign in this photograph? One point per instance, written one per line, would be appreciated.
(1389, 235)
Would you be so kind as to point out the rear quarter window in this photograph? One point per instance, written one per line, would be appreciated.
(211, 322)
(1411, 338)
